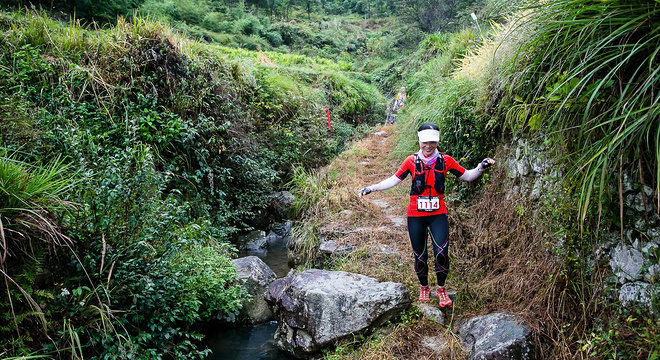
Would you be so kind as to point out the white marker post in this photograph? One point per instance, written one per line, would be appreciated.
(474, 17)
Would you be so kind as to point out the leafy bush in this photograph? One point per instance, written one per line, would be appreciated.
(159, 274)
(274, 38)
(191, 12)
(209, 279)
(217, 22)
(248, 25)
(179, 150)
(291, 34)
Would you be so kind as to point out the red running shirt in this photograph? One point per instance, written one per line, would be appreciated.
(408, 168)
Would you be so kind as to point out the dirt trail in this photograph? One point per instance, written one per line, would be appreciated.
(376, 221)
(374, 228)
(499, 258)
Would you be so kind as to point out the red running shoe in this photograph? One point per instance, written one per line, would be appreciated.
(443, 299)
(424, 294)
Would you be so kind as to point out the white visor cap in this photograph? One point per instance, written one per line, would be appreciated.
(428, 135)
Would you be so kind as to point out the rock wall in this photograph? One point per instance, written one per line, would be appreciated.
(536, 174)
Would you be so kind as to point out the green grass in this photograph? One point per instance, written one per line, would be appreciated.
(28, 195)
(596, 89)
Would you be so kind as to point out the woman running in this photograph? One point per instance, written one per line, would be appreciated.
(427, 212)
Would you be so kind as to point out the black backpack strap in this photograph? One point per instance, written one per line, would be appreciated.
(418, 164)
(418, 183)
(440, 163)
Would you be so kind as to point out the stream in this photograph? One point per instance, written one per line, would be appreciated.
(244, 342)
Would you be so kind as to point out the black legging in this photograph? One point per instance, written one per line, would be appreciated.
(438, 227)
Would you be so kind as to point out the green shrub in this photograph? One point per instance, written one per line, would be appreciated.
(189, 11)
(210, 279)
(166, 269)
(253, 43)
(217, 22)
(248, 25)
(631, 334)
(274, 38)
(291, 34)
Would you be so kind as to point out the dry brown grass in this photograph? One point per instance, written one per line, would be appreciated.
(502, 248)
(500, 258)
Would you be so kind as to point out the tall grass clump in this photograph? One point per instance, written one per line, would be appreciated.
(310, 190)
(29, 196)
(32, 197)
(593, 80)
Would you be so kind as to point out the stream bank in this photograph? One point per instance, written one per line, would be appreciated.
(245, 341)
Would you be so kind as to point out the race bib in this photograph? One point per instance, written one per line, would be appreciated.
(428, 203)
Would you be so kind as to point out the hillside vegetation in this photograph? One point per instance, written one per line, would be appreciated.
(130, 157)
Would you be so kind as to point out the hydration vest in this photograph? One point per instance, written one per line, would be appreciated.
(419, 177)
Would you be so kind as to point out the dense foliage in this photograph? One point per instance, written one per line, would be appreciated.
(144, 154)
(598, 91)
(220, 15)
(580, 78)
(372, 34)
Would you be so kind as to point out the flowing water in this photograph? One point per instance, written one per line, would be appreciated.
(251, 342)
(245, 343)
(275, 257)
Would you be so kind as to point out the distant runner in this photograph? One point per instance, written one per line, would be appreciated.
(427, 212)
(400, 99)
(398, 104)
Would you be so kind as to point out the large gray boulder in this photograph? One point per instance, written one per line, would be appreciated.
(256, 277)
(497, 337)
(317, 307)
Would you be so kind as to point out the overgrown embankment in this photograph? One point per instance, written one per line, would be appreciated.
(130, 158)
(574, 126)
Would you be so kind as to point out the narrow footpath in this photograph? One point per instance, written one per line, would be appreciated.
(498, 250)
(368, 235)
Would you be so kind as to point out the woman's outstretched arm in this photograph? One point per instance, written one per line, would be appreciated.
(383, 185)
(473, 174)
